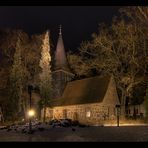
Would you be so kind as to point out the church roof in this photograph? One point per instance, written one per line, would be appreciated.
(60, 56)
(89, 90)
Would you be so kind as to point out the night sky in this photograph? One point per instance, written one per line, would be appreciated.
(78, 22)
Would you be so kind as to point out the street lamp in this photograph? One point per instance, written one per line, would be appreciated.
(30, 112)
(118, 114)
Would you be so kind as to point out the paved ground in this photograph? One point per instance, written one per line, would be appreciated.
(85, 134)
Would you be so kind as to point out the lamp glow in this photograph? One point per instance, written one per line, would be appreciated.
(31, 113)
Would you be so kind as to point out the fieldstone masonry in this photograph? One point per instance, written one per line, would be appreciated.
(94, 113)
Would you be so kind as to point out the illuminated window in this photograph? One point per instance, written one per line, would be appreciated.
(88, 114)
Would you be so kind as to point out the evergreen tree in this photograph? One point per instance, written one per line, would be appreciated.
(15, 100)
(45, 75)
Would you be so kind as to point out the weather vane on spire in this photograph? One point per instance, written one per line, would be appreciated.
(60, 28)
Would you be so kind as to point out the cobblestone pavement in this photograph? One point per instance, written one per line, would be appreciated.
(85, 134)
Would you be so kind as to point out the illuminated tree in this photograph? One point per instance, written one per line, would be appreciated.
(138, 14)
(45, 75)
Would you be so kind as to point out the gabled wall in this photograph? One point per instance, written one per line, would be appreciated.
(111, 96)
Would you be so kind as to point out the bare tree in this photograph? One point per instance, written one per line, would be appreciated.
(120, 50)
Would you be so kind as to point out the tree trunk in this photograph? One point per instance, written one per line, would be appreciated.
(44, 114)
(123, 101)
(24, 110)
(2, 117)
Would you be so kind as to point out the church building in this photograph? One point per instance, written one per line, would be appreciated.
(90, 101)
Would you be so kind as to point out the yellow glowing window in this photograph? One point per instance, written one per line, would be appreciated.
(88, 114)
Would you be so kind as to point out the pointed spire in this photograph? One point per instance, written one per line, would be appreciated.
(60, 56)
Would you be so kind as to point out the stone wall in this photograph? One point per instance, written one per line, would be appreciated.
(91, 114)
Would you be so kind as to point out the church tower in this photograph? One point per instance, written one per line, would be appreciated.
(61, 73)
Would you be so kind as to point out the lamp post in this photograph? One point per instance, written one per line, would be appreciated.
(30, 113)
(118, 113)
